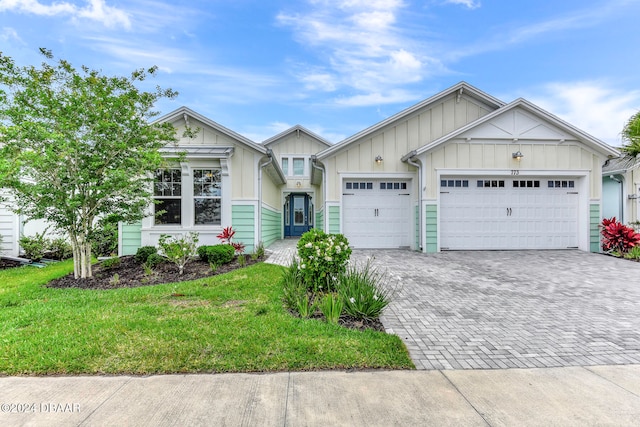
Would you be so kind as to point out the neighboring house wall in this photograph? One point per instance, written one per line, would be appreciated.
(8, 231)
(613, 197)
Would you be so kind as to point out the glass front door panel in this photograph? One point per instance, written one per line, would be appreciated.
(298, 211)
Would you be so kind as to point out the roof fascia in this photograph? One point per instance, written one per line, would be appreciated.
(600, 146)
(180, 112)
(291, 130)
(464, 86)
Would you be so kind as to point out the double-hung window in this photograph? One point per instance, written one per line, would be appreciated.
(298, 166)
(168, 196)
(207, 193)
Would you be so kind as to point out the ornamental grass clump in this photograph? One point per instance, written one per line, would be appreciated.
(364, 292)
(322, 258)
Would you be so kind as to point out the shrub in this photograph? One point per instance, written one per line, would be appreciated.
(178, 250)
(153, 260)
(331, 307)
(216, 254)
(111, 262)
(322, 258)
(363, 292)
(34, 246)
(104, 239)
(59, 248)
(143, 253)
(617, 236)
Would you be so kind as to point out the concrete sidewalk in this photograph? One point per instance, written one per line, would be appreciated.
(603, 395)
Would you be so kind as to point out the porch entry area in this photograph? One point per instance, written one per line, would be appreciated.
(298, 214)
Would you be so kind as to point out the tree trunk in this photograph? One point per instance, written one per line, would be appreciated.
(81, 256)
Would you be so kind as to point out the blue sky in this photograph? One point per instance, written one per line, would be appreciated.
(337, 67)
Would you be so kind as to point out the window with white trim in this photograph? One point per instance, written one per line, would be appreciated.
(207, 192)
(298, 166)
(168, 196)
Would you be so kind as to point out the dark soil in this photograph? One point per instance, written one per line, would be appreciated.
(7, 263)
(130, 274)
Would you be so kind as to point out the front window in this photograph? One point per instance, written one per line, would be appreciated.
(168, 196)
(285, 166)
(298, 167)
(207, 192)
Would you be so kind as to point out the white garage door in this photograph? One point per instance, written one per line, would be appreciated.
(377, 213)
(511, 213)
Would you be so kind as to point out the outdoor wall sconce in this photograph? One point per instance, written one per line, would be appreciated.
(378, 159)
(517, 155)
(298, 184)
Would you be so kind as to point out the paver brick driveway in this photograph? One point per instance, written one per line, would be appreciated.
(512, 309)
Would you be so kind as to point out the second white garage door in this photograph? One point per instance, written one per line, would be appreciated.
(511, 213)
(377, 213)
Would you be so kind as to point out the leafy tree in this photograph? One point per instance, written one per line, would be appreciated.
(631, 134)
(77, 146)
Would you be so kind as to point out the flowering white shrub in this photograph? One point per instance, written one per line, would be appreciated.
(179, 250)
(321, 258)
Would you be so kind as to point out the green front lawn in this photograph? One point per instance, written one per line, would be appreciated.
(233, 322)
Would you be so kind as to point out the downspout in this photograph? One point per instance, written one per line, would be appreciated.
(314, 164)
(259, 213)
(420, 219)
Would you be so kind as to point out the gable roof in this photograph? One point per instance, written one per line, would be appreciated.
(297, 128)
(592, 142)
(184, 112)
(460, 88)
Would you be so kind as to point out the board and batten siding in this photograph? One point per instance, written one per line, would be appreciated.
(399, 138)
(242, 164)
(497, 155)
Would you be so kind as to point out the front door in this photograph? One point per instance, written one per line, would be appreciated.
(298, 211)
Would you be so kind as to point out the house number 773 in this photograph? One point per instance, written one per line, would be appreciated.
(515, 172)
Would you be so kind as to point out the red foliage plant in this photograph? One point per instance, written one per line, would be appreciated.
(226, 236)
(617, 236)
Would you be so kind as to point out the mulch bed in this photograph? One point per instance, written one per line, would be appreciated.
(7, 263)
(130, 274)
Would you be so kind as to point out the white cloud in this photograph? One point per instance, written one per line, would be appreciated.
(471, 4)
(10, 34)
(393, 96)
(363, 46)
(509, 36)
(593, 106)
(96, 10)
(325, 82)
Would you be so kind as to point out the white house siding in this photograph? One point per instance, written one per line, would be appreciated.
(398, 138)
(8, 231)
(486, 152)
(239, 183)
